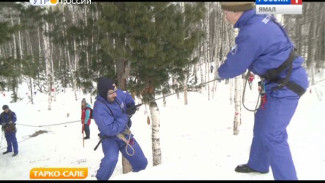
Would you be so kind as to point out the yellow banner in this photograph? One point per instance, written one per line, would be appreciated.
(58, 173)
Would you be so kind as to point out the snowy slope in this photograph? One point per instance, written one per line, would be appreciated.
(199, 144)
(196, 140)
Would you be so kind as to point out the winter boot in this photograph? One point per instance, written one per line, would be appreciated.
(15, 154)
(246, 169)
(6, 152)
(86, 138)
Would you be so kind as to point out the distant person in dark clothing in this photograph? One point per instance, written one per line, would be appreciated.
(8, 121)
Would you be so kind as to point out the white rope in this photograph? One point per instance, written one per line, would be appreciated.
(127, 141)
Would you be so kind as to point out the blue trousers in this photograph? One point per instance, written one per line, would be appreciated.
(270, 146)
(11, 141)
(111, 148)
(87, 131)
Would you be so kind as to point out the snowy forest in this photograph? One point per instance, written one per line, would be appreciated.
(71, 46)
(151, 49)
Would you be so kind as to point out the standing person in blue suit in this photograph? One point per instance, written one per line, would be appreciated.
(112, 112)
(264, 48)
(8, 121)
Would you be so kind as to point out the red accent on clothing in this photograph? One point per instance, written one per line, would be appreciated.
(83, 115)
(251, 77)
(263, 98)
(131, 142)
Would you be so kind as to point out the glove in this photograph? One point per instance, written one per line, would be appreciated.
(10, 122)
(130, 109)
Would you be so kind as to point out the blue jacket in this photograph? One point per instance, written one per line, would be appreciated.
(109, 116)
(5, 118)
(262, 45)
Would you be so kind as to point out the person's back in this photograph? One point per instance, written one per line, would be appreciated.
(262, 45)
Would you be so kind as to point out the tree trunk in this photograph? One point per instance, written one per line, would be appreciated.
(207, 47)
(48, 64)
(122, 74)
(52, 67)
(310, 45)
(185, 90)
(237, 106)
(175, 84)
(30, 77)
(20, 49)
(231, 98)
(31, 90)
(14, 79)
(14, 37)
(156, 149)
(40, 55)
(73, 68)
(164, 100)
(200, 67)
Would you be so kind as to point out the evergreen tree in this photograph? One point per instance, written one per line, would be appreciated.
(157, 39)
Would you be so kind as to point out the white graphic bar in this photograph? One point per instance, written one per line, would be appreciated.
(278, 9)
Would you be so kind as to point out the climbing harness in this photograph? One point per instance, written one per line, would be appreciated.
(129, 142)
(272, 75)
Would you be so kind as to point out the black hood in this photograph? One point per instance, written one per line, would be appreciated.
(103, 85)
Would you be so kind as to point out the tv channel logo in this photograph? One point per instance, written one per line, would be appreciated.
(44, 2)
(278, 6)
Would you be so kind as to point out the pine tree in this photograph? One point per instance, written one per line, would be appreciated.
(162, 49)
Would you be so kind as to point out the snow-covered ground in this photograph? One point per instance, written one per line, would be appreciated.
(197, 140)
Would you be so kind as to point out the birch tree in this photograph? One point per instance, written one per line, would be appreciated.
(237, 116)
(47, 57)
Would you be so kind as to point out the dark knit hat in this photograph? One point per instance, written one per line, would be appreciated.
(83, 100)
(237, 6)
(5, 107)
(104, 85)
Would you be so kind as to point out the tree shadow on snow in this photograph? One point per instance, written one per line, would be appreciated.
(38, 133)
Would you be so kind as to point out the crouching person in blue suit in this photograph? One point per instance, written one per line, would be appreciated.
(112, 111)
(264, 48)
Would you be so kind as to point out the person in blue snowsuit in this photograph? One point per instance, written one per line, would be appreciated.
(112, 111)
(262, 45)
(8, 121)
